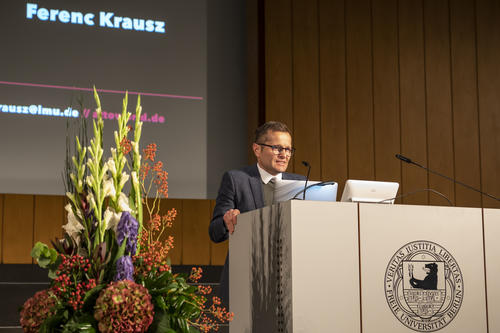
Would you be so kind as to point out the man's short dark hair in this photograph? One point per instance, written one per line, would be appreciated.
(273, 126)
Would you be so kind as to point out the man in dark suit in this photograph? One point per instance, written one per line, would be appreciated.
(247, 189)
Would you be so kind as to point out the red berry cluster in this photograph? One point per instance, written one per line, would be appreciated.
(154, 248)
(153, 256)
(204, 290)
(196, 274)
(214, 316)
(125, 146)
(159, 177)
(150, 152)
(72, 281)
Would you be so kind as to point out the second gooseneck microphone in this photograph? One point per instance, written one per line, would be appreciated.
(408, 160)
(308, 166)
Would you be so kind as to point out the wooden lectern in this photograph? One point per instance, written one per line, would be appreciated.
(304, 266)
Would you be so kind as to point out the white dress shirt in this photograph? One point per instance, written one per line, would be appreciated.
(266, 176)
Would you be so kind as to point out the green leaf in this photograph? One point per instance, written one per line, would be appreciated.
(51, 323)
(80, 323)
(52, 274)
(44, 255)
(38, 249)
(121, 251)
(189, 311)
(161, 323)
(178, 303)
(91, 296)
(183, 325)
(164, 277)
(160, 302)
(131, 202)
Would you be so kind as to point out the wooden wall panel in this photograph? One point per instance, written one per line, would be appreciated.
(359, 90)
(49, 218)
(386, 90)
(488, 53)
(218, 251)
(255, 83)
(464, 98)
(393, 77)
(39, 218)
(17, 229)
(306, 87)
(332, 87)
(278, 54)
(195, 239)
(412, 100)
(438, 89)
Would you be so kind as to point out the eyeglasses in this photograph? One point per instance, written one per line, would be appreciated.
(278, 149)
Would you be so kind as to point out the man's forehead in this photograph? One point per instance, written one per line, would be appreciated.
(271, 133)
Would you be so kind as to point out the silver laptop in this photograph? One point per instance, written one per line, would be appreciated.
(369, 191)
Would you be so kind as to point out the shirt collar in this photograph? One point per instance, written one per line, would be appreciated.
(266, 176)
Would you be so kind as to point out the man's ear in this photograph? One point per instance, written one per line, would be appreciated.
(256, 149)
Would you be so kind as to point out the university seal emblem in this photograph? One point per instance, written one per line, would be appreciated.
(423, 286)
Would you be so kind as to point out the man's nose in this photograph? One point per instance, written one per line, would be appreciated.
(283, 155)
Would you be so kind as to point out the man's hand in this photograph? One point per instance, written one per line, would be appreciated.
(230, 219)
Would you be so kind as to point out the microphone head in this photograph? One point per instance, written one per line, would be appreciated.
(403, 158)
(304, 163)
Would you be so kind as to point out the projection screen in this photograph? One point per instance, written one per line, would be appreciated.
(54, 52)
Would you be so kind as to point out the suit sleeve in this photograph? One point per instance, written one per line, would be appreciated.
(226, 199)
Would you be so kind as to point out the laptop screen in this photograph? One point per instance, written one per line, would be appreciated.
(316, 190)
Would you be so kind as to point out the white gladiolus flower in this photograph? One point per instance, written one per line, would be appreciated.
(70, 196)
(105, 168)
(73, 228)
(91, 201)
(135, 146)
(109, 187)
(112, 166)
(135, 179)
(111, 219)
(125, 178)
(123, 203)
(90, 180)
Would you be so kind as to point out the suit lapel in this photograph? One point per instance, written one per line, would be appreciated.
(256, 187)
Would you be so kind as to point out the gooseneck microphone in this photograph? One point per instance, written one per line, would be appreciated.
(308, 166)
(405, 159)
(409, 161)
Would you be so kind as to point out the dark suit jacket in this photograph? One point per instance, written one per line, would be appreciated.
(242, 190)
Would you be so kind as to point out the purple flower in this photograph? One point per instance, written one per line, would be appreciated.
(124, 269)
(127, 227)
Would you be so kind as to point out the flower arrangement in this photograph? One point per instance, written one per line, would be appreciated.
(111, 272)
